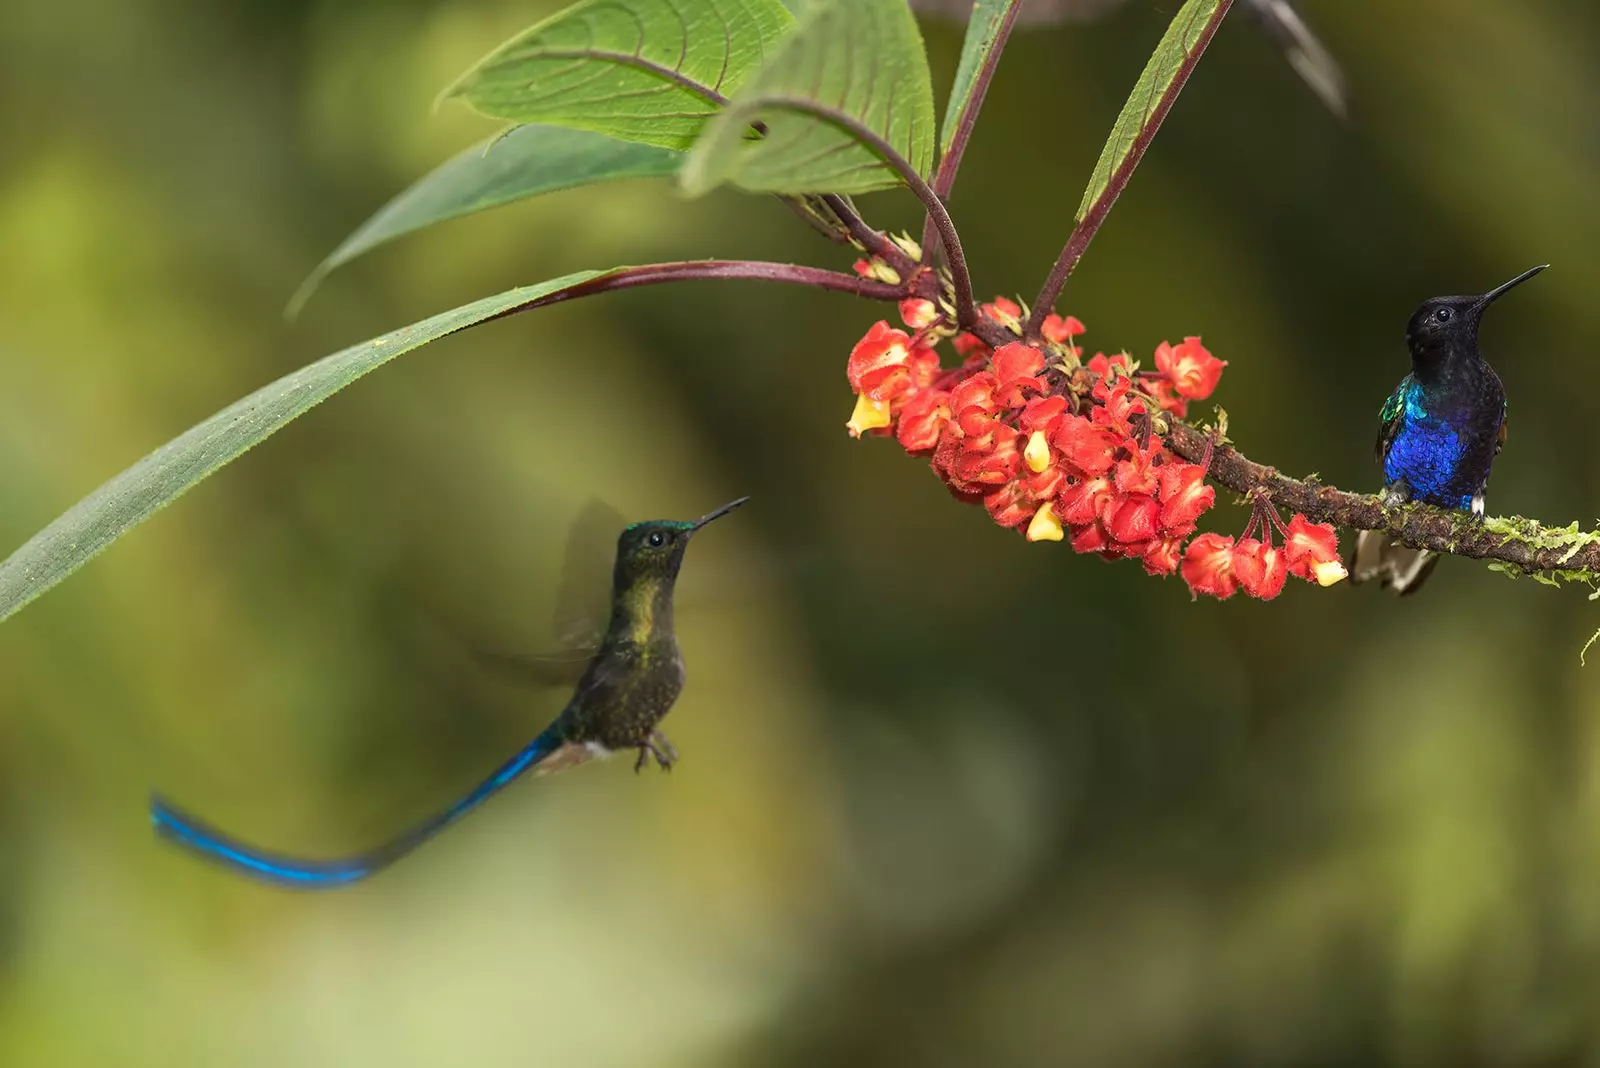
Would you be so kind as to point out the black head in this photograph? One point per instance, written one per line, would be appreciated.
(1449, 325)
(654, 549)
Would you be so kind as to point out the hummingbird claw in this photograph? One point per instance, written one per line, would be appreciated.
(659, 747)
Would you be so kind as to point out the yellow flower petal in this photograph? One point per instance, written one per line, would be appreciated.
(1328, 573)
(1037, 453)
(1045, 526)
(869, 415)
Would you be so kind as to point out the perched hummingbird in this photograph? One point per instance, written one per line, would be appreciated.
(1442, 428)
(628, 687)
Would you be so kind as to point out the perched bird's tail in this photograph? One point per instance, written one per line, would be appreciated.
(173, 823)
(1398, 567)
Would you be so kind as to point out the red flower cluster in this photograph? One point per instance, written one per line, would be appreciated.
(1061, 454)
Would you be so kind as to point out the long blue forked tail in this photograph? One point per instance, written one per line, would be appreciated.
(302, 874)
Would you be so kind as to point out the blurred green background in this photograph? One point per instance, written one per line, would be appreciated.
(946, 798)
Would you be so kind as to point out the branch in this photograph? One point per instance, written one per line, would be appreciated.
(1093, 214)
(1521, 543)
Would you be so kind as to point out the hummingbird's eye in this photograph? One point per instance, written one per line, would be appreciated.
(656, 539)
(1443, 315)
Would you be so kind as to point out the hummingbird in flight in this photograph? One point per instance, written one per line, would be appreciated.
(626, 690)
(1443, 426)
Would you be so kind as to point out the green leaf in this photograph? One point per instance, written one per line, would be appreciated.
(854, 71)
(524, 162)
(982, 30)
(1153, 94)
(161, 477)
(653, 71)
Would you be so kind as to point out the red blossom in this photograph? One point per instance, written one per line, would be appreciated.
(1060, 331)
(922, 419)
(1136, 519)
(1260, 567)
(1117, 406)
(973, 403)
(1005, 312)
(968, 346)
(917, 312)
(1313, 551)
(1192, 370)
(1086, 500)
(1044, 413)
(1089, 449)
(1208, 566)
(1185, 497)
(1090, 538)
(1016, 367)
(1102, 365)
(877, 364)
(1161, 557)
(1138, 474)
(1009, 505)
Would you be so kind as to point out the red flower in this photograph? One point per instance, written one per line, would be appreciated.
(973, 403)
(1160, 391)
(1313, 551)
(1101, 364)
(1045, 484)
(923, 419)
(877, 364)
(1089, 539)
(1208, 566)
(1005, 312)
(1043, 413)
(1192, 370)
(1117, 406)
(1088, 448)
(1016, 367)
(1060, 331)
(1161, 557)
(1084, 501)
(1009, 506)
(1135, 520)
(917, 313)
(968, 346)
(1138, 474)
(1184, 496)
(1260, 568)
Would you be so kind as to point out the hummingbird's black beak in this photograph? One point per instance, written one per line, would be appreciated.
(1499, 291)
(719, 513)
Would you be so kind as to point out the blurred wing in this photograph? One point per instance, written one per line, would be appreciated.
(1505, 418)
(1391, 415)
(1315, 65)
(305, 874)
(583, 602)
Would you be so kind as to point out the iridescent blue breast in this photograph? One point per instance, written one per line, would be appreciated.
(1442, 459)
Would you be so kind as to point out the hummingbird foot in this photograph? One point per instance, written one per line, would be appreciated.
(1477, 507)
(659, 747)
(1396, 494)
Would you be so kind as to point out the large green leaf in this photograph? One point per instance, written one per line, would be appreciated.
(652, 71)
(160, 478)
(1152, 96)
(526, 162)
(853, 67)
(982, 31)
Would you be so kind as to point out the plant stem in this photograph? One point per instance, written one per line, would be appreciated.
(695, 270)
(1095, 214)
